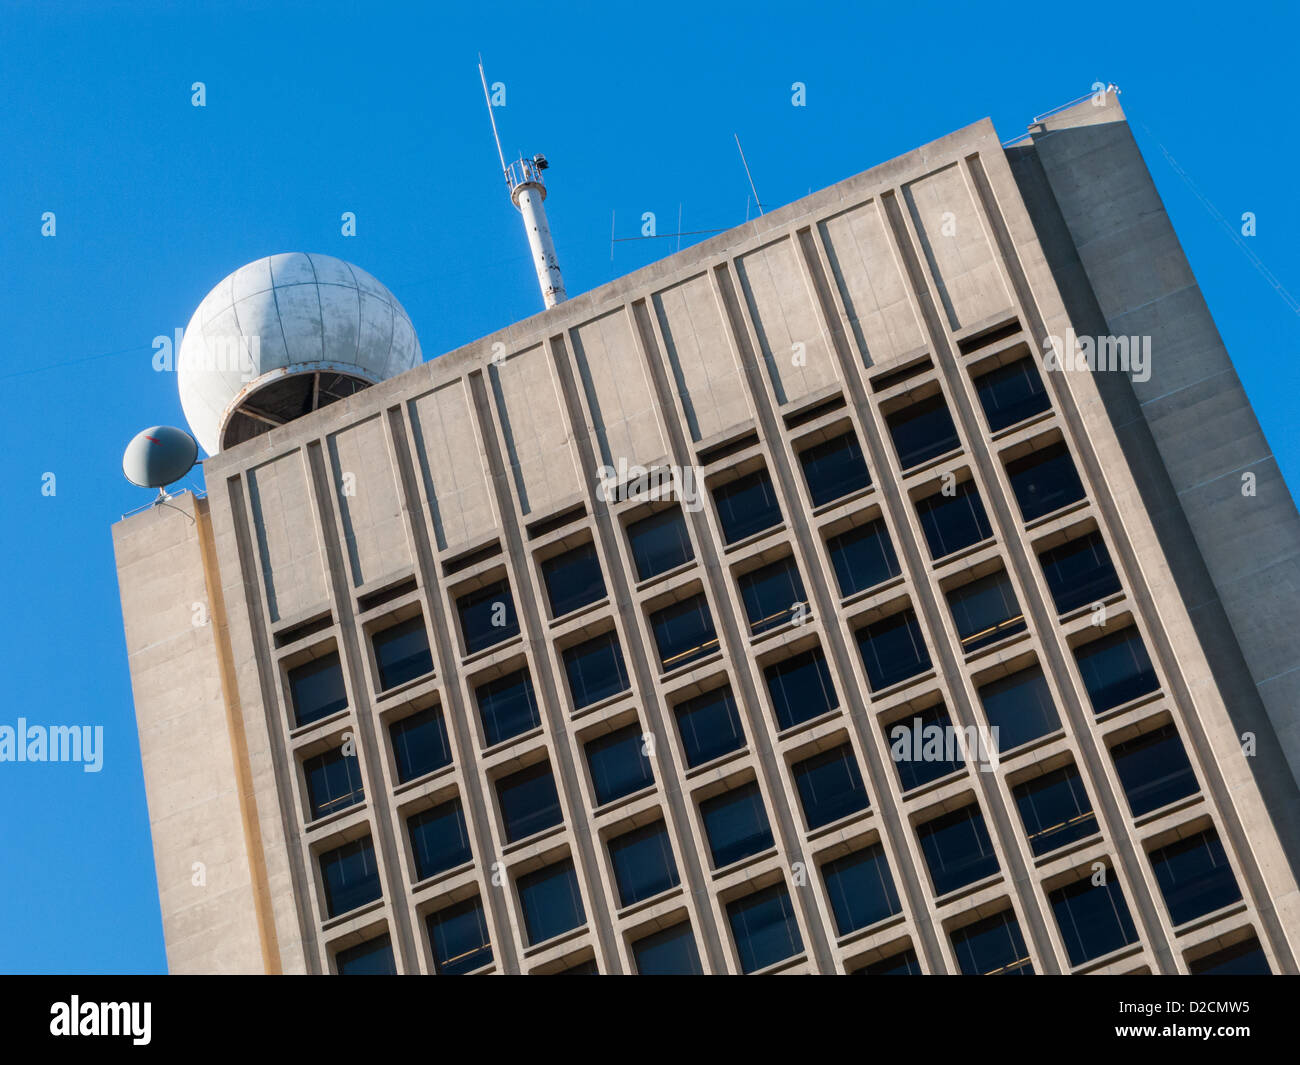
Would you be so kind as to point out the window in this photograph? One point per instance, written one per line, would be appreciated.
(439, 839)
(420, 744)
(772, 595)
(333, 783)
(402, 653)
(1044, 481)
(800, 688)
(372, 958)
(316, 689)
(671, 952)
(863, 557)
(985, 611)
(684, 632)
(830, 786)
(1011, 393)
(992, 947)
(957, 849)
(573, 580)
(924, 747)
(507, 707)
(1019, 708)
(861, 889)
(834, 469)
(1245, 959)
(659, 543)
(1154, 770)
(709, 725)
(1116, 669)
(551, 901)
(529, 803)
(350, 876)
(1093, 918)
(954, 522)
(904, 963)
(764, 928)
(1055, 809)
(922, 432)
(893, 650)
(736, 824)
(487, 616)
(595, 670)
(618, 764)
(459, 937)
(1194, 876)
(1079, 573)
(747, 506)
(583, 968)
(643, 863)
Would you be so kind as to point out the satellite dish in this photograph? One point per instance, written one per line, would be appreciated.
(159, 456)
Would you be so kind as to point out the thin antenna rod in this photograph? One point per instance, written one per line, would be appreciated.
(487, 96)
(748, 174)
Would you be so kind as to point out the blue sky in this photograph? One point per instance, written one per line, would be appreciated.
(316, 109)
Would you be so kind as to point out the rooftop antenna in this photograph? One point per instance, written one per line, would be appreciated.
(528, 192)
(748, 174)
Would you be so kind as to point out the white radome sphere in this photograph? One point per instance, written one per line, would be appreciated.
(283, 336)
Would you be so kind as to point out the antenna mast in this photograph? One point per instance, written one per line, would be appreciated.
(528, 192)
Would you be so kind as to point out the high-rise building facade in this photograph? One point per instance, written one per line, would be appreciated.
(899, 582)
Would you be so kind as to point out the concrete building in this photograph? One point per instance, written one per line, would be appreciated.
(439, 679)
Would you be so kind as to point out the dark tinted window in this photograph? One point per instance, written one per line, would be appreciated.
(1116, 669)
(316, 689)
(953, 522)
(893, 649)
(1055, 809)
(659, 543)
(573, 579)
(1093, 918)
(830, 786)
(1079, 572)
(333, 782)
(459, 937)
(957, 849)
(1044, 481)
(747, 506)
(924, 747)
(439, 839)
(1019, 707)
(772, 595)
(671, 952)
(1243, 959)
(992, 947)
(985, 611)
(619, 765)
(764, 928)
(710, 726)
(922, 432)
(528, 800)
(507, 707)
(583, 968)
(863, 557)
(736, 824)
(487, 616)
(372, 958)
(1194, 876)
(834, 469)
(402, 653)
(1011, 394)
(643, 863)
(551, 901)
(861, 889)
(420, 744)
(684, 632)
(1154, 770)
(904, 963)
(800, 688)
(595, 670)
(350, 876)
